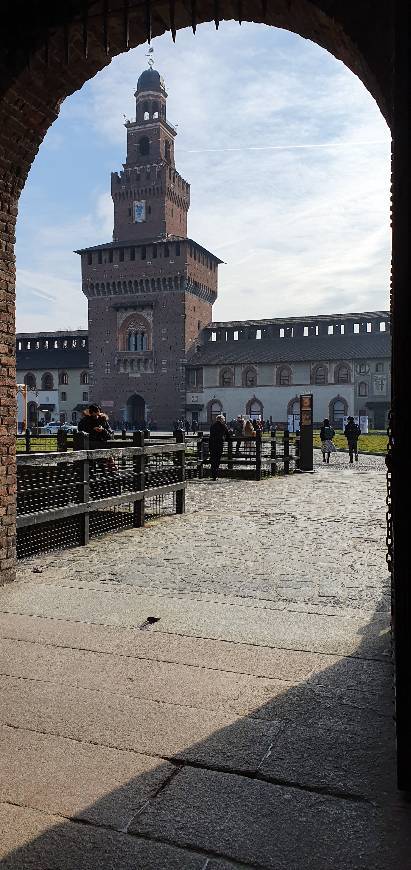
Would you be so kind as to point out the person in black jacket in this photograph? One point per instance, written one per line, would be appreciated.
(326, 437)
(352, 433)
(95, 424)
(218, 434)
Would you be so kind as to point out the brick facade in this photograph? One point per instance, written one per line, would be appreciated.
(150, 291)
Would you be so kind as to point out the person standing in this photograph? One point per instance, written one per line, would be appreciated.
(218, 434)
(187, 426)
(238, 430)
(326, 437)
(352, 433)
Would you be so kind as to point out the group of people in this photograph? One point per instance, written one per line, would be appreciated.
(352, 433)
(220, 432)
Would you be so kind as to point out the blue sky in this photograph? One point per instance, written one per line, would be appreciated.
(288, 158)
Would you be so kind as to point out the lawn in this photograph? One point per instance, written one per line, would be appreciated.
(371, 443)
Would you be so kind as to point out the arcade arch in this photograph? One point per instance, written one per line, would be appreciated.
(64, 49)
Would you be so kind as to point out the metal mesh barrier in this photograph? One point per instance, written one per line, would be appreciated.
(162, 469)
(57, 535)
(111, 519)
(48, 486)
(113, 474)
(159, 506)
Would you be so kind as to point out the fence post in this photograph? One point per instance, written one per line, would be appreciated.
(81, 441)
(85, 530)
(258, 455)
(297, 449)
(273, 452)
(139, 471)
(200, 455)
(28, 440)
(230, 464)
(286, 451)
(61, 441)
(181, 493)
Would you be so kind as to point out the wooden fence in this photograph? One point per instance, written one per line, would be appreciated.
(64, 499)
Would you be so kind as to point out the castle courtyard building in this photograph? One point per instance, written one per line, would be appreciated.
(261, 367)
(54, 368)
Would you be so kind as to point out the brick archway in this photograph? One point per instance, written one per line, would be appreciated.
(45, 57)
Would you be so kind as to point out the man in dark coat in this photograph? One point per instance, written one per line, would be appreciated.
(95, 424)
(352, 432)
(218, 434)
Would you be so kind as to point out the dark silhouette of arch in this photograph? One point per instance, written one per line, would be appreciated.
(136, 412)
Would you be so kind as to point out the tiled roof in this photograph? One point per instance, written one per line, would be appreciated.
(59, 358)
(307, 349)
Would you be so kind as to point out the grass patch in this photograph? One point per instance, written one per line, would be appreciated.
(366, 443)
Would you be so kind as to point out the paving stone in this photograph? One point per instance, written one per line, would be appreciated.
(31, 840)
(327, 634)
(58, 775)
(275, 827)
(219, 740)
(270, 662)
(356, 757)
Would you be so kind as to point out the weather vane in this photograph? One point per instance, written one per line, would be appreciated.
(150, 57)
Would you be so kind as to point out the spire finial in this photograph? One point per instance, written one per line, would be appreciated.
(150, 57)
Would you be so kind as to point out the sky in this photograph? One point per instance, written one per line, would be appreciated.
(288, 157)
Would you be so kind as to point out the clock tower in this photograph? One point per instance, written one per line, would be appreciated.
(151, 289)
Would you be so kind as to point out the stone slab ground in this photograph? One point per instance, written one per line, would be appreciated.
(251, 726)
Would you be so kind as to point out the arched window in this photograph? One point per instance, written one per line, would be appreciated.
(144, 145)
(342, 374)
(363, 388)
(320, 375)
(284, 376)
(214, 408)
(167, 151)
(84, 378)
(47, 381)
(154, 109)
(226, 377)
(338, 409)
(293, 406)
(254, 408)
(63, 379)
(249, 377)
(30, 381)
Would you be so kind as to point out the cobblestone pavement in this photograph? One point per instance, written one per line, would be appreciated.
(211, 692)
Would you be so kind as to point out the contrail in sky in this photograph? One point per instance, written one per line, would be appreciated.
(285, 147)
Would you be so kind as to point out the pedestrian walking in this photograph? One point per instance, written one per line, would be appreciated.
(326, 437)
(249, 432)
(218, 434)
(352, 433)
(187, 426)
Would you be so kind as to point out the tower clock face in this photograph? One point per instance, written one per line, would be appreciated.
(139, 211)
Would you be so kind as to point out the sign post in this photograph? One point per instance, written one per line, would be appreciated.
(306, 433)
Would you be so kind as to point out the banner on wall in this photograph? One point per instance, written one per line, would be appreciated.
(361, 421)
(139, 211)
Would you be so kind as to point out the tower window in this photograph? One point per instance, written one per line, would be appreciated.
(144, 145)
(154, 252)
(132, 253)
(89, 259)
(110, 255)
(166, 251)
(121, 255)
(167, 151)
(100, 257)
(143, 252)
(177, 249)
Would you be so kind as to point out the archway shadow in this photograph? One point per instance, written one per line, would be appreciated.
(304, 780)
